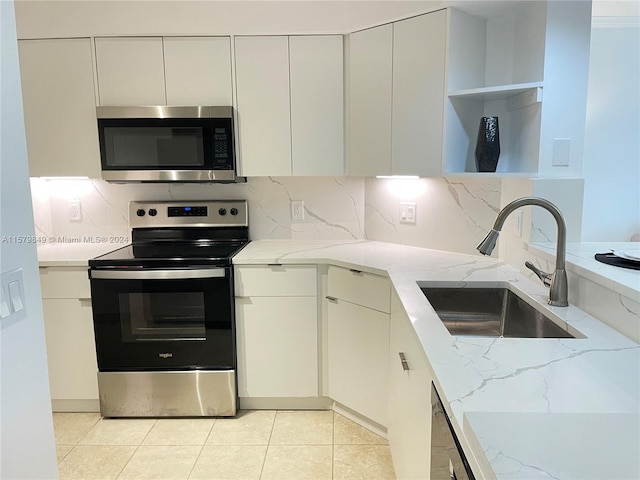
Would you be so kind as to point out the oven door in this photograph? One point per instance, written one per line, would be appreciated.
(163, 319)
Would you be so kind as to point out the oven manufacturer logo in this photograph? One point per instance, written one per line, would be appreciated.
(165, 355)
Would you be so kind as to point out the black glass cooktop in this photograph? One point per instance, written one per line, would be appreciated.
(170, 248)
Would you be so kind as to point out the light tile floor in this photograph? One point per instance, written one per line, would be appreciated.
(256, 444)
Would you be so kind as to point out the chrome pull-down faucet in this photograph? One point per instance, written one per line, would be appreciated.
(558, 279)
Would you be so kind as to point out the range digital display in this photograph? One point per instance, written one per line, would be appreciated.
(187, 211)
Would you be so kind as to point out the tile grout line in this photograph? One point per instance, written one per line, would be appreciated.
(201, 449)
(136, 450)
(264, 461)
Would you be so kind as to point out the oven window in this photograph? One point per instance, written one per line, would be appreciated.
(152, 316)
(154, 147)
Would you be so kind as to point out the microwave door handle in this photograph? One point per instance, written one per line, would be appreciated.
(159, 274)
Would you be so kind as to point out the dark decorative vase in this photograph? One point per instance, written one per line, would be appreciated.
(488, 145)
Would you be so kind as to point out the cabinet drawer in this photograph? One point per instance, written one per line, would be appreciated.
(366, 289)
(68, 282)
(276, 281)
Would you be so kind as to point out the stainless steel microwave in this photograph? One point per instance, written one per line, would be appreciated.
(167, 144)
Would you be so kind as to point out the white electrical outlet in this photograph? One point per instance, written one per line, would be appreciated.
(517, 224)
(75, 210)
(407, 212)
(297, 210)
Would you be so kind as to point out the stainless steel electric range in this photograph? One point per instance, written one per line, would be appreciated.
(163, 311)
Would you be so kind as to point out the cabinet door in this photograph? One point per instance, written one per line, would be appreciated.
(198, 70)
(71, 351)
(370, 90)
(358, 358)
(262, 85)
(277, 341)
(59, 107)
(130, 71)
(409, 427)
(317, 105)
(418, 95)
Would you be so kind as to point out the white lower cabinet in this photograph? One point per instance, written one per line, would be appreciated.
(277, 331)
(358, 358)
(71, 351)
(409, 421)
(277, 347)
(358, 341)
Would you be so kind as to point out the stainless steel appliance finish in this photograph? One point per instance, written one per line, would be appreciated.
(166, 176)
(198, 393)
(163, 111)
(490, 312)
(167, 144)
(557, 280)
(163, 311)
(448, 461)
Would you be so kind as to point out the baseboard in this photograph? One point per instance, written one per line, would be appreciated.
(90, 405)
(285, 403)
(360, 420)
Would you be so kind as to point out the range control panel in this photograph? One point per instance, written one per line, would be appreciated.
(213, 213)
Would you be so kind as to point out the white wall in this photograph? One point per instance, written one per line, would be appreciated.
(27, 448)
(611, 165)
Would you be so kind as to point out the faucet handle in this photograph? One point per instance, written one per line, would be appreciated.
(544, 276)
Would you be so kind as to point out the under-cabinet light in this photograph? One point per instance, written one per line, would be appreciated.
(399, 177)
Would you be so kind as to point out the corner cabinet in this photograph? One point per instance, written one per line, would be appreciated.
(410, 376)
(59, 107)
(277, 331)
(396, 97)
(71, 350)
(290, 105)
(358, 341)
(164, 70)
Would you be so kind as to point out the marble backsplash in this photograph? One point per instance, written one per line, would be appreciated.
(334, 206)
(453, 213)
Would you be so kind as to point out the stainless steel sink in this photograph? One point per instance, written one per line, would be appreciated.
(490, 312)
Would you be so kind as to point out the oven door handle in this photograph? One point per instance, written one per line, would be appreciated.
(183, 274)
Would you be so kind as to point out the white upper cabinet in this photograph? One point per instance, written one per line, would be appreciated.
(419, 46)
(59, 107)
(290, 105)
(164, 71)
(198, 70)
(370, 90)
(130, 71)
(396, 89)
(264, 114)
(317, 105)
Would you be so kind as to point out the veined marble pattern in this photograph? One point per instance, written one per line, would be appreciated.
(334, 206)
(453, 214)
(597, 374)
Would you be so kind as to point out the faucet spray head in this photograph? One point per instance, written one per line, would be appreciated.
(489, 243)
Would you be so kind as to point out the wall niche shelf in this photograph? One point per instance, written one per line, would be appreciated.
(517, 95)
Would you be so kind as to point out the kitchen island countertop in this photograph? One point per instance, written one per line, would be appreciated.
(581, 378)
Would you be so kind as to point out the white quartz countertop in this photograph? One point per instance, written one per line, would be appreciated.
(72, 254)
(556, 379)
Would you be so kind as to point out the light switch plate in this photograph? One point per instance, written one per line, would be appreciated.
(13, 303)
(407, 212)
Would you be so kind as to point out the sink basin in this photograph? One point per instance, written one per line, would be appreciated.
(490, 312)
